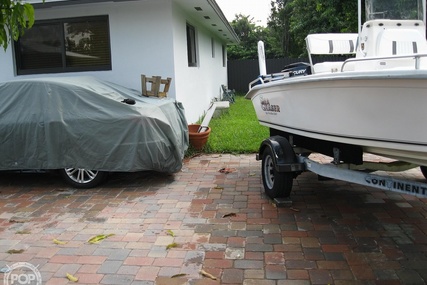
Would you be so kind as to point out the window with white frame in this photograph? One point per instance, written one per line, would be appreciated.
(64, 45)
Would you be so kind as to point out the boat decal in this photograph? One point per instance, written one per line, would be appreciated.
(269, 108)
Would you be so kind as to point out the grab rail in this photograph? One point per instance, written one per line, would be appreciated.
(415, 56)
(267, 78)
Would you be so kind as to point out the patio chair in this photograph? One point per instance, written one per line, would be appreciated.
(227, 94)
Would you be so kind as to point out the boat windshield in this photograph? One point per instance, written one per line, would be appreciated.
(394, 9)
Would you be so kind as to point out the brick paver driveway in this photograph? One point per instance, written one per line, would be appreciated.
(332, 233)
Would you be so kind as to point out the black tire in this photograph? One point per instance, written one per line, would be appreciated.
(276, 184)
(83, 178)
(424, 171)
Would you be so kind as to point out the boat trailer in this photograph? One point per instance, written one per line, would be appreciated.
(282, 162)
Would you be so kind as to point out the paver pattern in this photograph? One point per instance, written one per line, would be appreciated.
(167, 228)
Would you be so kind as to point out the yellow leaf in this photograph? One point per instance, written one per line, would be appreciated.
(169, 246)
(178, 275)
(171, 233)
(56, 241)
(206, 274)
(98, 238)
(72, 278)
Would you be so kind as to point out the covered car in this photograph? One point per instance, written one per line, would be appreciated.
(86, 127)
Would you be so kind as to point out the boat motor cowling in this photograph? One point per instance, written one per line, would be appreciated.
(297, 69)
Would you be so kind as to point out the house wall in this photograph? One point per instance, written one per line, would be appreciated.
(204, 81)
(147, 37)
(140, 37)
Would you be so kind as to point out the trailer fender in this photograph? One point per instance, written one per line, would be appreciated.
(283, 154)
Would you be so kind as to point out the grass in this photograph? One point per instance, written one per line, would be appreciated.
(236, 130)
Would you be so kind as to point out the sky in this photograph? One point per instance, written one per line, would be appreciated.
(258, 9)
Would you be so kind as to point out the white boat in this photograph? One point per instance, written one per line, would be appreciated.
(372, 103)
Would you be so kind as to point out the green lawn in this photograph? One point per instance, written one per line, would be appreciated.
(236, 130)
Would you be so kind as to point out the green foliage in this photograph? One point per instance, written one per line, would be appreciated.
(237, 130)
(249, 35)
(289, 23)
(15, 18)
(314, 16)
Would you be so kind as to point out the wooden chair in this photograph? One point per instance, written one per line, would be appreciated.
(155, 83)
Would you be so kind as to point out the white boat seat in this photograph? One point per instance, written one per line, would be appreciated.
(328, 44)
(328, 66)
(400, 42)
(331, 43)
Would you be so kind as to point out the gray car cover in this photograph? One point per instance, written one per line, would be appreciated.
(81, 122)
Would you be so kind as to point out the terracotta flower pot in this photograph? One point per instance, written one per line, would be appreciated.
(198, 140)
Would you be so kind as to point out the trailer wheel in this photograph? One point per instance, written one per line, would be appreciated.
(424, 171)
(276, 184)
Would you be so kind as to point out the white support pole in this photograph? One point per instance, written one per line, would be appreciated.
(424, 13)
(359, 13)
(261, 59)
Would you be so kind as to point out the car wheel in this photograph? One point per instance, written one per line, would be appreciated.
(83, 178)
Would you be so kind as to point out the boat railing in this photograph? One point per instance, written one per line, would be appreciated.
(268, 78)
(416, 57)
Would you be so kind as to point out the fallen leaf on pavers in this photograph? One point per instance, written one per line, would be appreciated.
(71, 277)
(171, 245)
(61, 190)
(206, 274)
(178, 275)
(18, 221)
(226, 170)
(15, 251)
(216, 156)
(171, 233)
(98, 238)
(23, 232)
(229, 215)
(218, 188)
(57, 241)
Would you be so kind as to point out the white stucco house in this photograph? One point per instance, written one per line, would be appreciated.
(120, 40)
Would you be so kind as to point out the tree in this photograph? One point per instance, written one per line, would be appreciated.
(278, 25)
(249, 34)
(15, 18)
(292, 20)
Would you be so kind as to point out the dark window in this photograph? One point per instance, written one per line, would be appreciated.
(213, 47)
(65, 45)
(224, 56)
(191, 46)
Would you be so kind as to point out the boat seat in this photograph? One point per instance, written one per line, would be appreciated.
(327, 66)
(328, 44)
(400, 42)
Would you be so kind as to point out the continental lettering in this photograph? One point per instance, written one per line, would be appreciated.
(404, 187)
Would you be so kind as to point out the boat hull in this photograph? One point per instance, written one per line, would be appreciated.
(384, 114)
